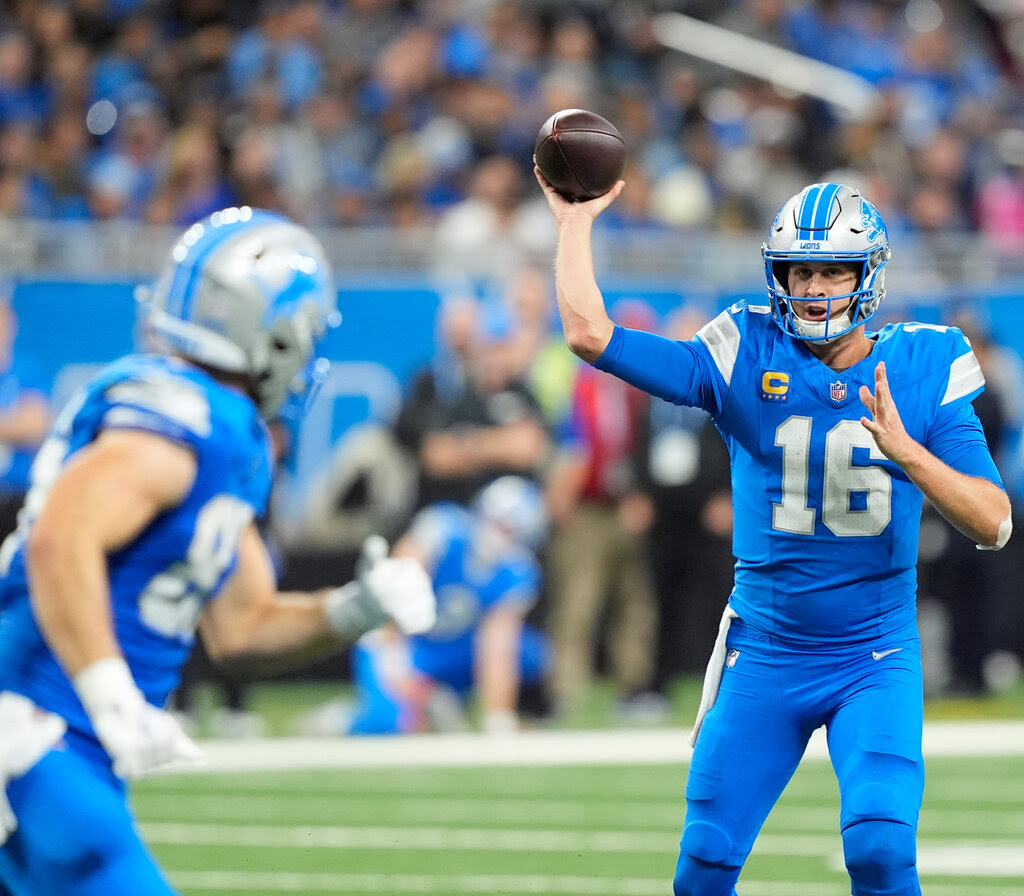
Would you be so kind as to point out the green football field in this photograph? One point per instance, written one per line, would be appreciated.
(414, 817)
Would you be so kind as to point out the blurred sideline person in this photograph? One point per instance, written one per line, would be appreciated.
(691, 536)
(599, 560)
(481, 420)
(966, 582)
(486, 577)
(25, 418)
(820, 628)
(139, 529)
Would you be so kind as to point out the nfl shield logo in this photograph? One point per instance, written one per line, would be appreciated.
(838, 391)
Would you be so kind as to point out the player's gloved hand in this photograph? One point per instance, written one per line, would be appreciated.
(142, 739)
(386, 589)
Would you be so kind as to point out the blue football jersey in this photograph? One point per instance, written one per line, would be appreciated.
(825, 527)
(160, 582)
(466, 585)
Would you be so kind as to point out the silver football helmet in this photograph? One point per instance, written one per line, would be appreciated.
(516, 507)
(827, 222)
(247, 292)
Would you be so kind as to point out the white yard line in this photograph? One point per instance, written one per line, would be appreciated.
(534, 748)
(481, 884)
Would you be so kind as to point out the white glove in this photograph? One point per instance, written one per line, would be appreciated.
(386, 589)
(142, 739)
(29, 733)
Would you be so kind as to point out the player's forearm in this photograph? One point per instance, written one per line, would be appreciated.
(585, 321)
(975, 506)
(71, 598)
(283, 635)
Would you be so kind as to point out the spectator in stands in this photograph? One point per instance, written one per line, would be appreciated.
(598, 561)
(479, 236)
(23, 96)
(195, 185)
(123, 178)
(25, 417)
(279, 46)
(61, 161)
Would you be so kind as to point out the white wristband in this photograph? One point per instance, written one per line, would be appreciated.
(350, 613)
(104, 682)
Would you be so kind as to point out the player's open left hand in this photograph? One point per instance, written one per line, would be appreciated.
(885, 424)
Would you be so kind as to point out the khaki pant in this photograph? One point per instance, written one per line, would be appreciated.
(594, 561)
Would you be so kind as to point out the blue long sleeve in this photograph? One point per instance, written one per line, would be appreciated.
(674, 371)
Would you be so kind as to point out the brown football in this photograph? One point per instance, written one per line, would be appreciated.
(580, 153)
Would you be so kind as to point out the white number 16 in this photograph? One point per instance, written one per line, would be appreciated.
(842, 478)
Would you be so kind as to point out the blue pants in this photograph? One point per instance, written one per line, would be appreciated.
(773, 695)
(75, 835)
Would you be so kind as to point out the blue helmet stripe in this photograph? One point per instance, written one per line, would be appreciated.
(182, 288)
(825, 203)
(803, 231)
(815, 211)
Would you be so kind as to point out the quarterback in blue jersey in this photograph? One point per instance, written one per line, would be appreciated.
(486, 577)
(835, 433)
(138, 529)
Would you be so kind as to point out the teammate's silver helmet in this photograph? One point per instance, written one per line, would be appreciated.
(515, 506)
(826, 222)
(247, 292)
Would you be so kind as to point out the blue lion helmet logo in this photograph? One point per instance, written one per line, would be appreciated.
(872, 222)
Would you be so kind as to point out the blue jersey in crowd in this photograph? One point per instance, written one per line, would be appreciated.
(826, 528)
(160, 582)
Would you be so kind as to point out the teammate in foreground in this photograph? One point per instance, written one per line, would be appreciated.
(485, 572)
(834, 433)
(139, 528)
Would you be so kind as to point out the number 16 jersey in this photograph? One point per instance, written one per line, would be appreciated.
(825, 527)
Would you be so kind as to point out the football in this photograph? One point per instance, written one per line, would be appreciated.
(580, 153)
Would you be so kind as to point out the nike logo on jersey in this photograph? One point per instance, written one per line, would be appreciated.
(881, 654)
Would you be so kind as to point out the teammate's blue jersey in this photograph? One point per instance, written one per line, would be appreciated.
(159, 582)
(467, 586)
(825, 527)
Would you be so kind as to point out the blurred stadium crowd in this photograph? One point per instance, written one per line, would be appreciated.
(421, 115)
(392, 112)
